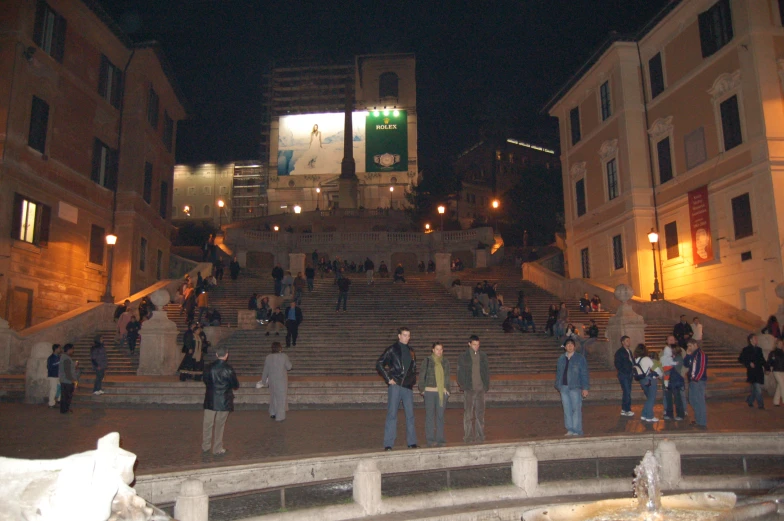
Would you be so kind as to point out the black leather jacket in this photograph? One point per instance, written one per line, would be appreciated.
(221, 381)
(390, 366)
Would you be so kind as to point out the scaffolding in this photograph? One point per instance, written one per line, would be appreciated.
(249, 190)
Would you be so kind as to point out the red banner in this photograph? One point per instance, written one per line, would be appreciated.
(699, 217)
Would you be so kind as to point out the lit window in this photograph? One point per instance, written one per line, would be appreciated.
(30, 221)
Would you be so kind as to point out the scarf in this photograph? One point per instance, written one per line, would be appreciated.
(439, 370)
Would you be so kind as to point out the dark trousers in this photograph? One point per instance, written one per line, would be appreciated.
(132, 342)
(278, 286)
(67, 391)
(474, 416)
(342, 296)
(626, 387)
(98, 379)
(310, 284)
(292, 330)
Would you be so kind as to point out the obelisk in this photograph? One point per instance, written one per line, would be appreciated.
(348, 182)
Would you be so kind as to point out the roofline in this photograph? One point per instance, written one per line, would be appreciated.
(168, 71)
(600, 51)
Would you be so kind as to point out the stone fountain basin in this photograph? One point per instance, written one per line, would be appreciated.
(697, 501)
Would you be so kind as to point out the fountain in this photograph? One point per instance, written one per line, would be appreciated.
(649, 504)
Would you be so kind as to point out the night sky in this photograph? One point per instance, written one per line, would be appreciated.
(480, 64)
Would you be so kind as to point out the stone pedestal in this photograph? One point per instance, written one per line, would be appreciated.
(192, 503)
(443, 267)
(158, 352)
(367, 486)
(36, 382)
(6, 337)
(670, 462)
(246, 319)
(297, 264)
(525, 470)
(480, 258)
(625, 322)
(347, 191)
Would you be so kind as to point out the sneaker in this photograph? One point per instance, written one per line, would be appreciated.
(678, 418)
(652, 420)
(643, 419)
(667, 417)
(220, 452)
(387, 449)
(627, 413)
(413, 446)
(97, 393)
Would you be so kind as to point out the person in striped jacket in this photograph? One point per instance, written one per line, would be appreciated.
(697, 363)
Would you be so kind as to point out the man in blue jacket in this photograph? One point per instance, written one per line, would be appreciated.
(571, 380)
(53, 374)
(624, 364)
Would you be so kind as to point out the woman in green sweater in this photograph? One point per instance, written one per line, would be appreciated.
(434, 385)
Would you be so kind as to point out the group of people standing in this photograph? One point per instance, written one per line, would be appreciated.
(674, 368)
(397, 365)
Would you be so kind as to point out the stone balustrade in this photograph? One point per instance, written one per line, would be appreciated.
(366, 469)
(408, 247)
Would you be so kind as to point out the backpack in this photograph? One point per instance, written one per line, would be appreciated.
(638, 372)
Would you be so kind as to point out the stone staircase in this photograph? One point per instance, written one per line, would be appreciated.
(334, 360)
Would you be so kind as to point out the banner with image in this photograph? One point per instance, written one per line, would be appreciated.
(699, 218)
(313, 143)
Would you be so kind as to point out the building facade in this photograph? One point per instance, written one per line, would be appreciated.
(680, 130)
(303, 132)
(488, 170)
(89, 127)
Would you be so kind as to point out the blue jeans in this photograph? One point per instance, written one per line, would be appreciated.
(626, 388)
(396, 394)
(493, 305)
(572, 400)
(342, 296)
(697, 401)
(525, 324)
(650, 398)
(756, 394)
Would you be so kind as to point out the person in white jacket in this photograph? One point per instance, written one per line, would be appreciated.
(696, 327)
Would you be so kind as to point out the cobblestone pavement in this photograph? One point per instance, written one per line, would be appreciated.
(170, 439)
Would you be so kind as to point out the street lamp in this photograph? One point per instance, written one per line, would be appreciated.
(427, 227)
(653, 238)
(441, 210)
(186, 210)
(495, 204)
(318, 196)
(221, 204)
(276, 227)
(111, 240)
(297, 208)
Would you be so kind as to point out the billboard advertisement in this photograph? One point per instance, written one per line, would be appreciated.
(313, 143)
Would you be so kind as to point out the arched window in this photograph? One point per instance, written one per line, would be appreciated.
(387, 85)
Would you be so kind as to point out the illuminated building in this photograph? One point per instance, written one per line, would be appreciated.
(303, 131)
(489, 169)
(89, 128)
(692, 148)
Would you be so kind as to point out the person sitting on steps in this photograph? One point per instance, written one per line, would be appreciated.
(276, 322)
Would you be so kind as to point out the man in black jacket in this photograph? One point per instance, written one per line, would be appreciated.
(277, 274)
(624, 364)
(221, 382)
(754, 360)
(397, 365)
(343, 284)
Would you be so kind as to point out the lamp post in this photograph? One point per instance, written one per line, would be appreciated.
(495, 204)
(111, 240)
(318, 197)
(221, 204)
(441, 210)
(427, 227)
(297, 209)
(653, 238)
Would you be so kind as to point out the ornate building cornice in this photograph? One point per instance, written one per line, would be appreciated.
(608, 149)
(660, 128)
(724, 84)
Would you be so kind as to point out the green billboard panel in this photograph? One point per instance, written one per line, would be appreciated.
(386, 134)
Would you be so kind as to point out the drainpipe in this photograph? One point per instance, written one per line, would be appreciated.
(107, 296)
(650, 164)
